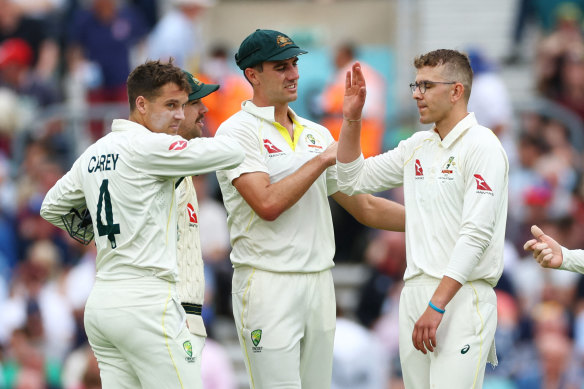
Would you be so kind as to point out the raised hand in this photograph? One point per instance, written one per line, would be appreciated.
(546, 250)
(355, 92)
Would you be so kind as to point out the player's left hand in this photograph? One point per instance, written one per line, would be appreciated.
(355, 93)
(424, 335)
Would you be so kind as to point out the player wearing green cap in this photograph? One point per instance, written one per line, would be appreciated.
(191, 283)
(280, 221)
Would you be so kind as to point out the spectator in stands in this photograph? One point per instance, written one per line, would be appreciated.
(15, 23)
(374, 112)
(218, 69)
(17, 74)
(359, 360)
(100, 41)
(179, 35)
(490, 100)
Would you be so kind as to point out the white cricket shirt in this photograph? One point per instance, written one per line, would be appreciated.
(127, 180)
(301, 239)
(191, 270)
(455, 194)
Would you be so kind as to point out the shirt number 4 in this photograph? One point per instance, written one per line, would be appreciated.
(110, 229)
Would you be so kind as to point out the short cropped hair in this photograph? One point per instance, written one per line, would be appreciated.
(456, 64)
(147, 80)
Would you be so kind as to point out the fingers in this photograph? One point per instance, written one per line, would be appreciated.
(348, 80)
(536, 232)
(528, 246)
(418, 340)
(358, 78)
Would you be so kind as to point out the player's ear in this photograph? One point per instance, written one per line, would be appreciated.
(457, 92)
(141, 104)
(251, 75)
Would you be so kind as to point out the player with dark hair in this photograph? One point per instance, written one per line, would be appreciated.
(133, 317)
(280, 221)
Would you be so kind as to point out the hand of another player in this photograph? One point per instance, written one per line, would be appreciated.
(330, 154)
(546, 251)
(424, 335)
(355, 93)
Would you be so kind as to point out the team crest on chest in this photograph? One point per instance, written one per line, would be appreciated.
(313, 144)
(448, 170)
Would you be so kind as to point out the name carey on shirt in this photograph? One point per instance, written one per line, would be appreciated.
(100, 163)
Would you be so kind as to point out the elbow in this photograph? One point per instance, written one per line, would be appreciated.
(269, 211)
(346, 188)
(44, 213)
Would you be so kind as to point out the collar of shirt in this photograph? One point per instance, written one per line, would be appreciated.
(127, 125)
(266, 113)
(467, 122)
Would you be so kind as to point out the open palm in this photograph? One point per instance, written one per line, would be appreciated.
(355, 92)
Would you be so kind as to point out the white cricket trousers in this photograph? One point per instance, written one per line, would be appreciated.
(286, 327)
(137, 330)
(465, 337)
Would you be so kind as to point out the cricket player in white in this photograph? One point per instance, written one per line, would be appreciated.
(280, 222)
(191, 284)
(455, 179)
(550, 254)
(133, 317)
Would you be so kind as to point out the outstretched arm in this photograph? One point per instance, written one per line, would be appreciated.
(546, 250)
(350, 136)
(268, 199)
(373, 211)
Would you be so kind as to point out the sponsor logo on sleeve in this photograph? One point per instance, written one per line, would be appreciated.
(178, 145)
(482, 186)
(419, 170)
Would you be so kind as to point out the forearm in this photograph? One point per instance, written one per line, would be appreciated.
(349, 141)
(445, 292)
(373, 211)
(270, 200)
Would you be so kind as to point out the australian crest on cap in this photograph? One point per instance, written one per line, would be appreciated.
(283, 41)
(194, 79)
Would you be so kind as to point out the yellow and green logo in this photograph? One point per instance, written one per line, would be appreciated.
(256, 337)
(188, 348)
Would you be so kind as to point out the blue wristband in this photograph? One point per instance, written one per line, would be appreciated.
(436, 308)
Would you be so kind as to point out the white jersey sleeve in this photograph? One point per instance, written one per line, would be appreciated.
(485, 166)
(65, 195)
(239, 127)
(573, 260)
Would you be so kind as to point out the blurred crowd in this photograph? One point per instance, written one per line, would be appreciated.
(63, 66)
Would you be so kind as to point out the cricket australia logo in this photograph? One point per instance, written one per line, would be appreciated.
(256, 337)
(448, 170)
(188, 347)
(312, 143)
